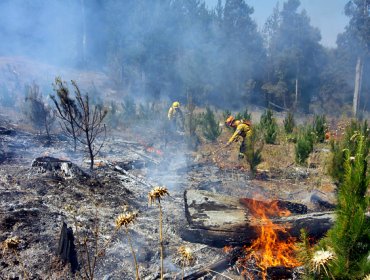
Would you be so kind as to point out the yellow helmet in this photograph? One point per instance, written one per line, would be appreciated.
(176, 104)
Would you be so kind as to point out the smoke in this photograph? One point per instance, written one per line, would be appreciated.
(47, 31)
(151, 50)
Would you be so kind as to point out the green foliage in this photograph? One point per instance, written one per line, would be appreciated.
(243, 115)
(305, 253)
(210, 126)
(269, 127)
(320, 127)
(289, 123)
(294, 50)
(304, 145)
(349, 142)
(350, 235)
(252, 154)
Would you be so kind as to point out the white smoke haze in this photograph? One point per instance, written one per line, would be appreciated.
(152, 50)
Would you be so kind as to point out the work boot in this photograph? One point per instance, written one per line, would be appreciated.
(241, 156)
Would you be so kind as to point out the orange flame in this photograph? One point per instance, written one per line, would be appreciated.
(268, 250)
(227, 249)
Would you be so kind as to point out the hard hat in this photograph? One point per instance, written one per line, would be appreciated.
(176, 104)
(229, 120)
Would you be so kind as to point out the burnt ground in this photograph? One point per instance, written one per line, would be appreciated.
(35, 202)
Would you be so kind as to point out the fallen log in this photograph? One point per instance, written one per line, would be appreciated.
(156, 162)
(127, 174)
(220, 220)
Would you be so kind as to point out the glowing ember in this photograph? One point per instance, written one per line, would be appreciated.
(268, 250)
(227, 249)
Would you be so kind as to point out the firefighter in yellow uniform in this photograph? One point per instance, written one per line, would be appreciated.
(242, 129)
(175, 116)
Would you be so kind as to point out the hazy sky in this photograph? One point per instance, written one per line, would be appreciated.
(327, 15)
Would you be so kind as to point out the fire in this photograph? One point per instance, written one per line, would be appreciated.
(269, 250)
(151, 149)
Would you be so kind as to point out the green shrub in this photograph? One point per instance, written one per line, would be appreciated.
(320, 127)
(304, 145)
(243, 115)
(269, 127)
(211, 128)
(350, 143)
(305, 253)
(350, 235)
(289, 123)
(253, 154)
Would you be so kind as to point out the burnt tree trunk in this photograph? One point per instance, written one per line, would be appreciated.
(220, 220)
(66, 248)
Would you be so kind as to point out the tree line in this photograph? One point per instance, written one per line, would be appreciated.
(172, 47)
(176, 47)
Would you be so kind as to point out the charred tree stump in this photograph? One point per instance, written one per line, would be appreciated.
(66, 248)
(220, 220)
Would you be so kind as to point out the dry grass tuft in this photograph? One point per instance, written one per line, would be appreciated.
(321, 259)
(125, 219)
(156, 194)
(186, 254)
(11, 243)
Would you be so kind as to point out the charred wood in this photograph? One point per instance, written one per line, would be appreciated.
(132, 177)
(66, 247)
(60, 167)
(218, 266)
(220, 220)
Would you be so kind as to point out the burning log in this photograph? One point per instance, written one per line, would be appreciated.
(220, 220)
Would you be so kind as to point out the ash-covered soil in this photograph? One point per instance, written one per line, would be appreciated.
(36, 201)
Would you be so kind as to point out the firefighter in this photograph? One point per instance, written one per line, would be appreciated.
(242, 129)
(176, 117)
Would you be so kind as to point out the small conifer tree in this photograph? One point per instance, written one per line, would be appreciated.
(304, 145)
(245, 115)
(253, 155)
(211, 129)
(289, 123)
(269, 126)
(349, 142)
(350, 235)
(320, 127)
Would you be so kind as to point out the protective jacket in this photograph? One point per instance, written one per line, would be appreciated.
(242, 130)
(174, 113)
